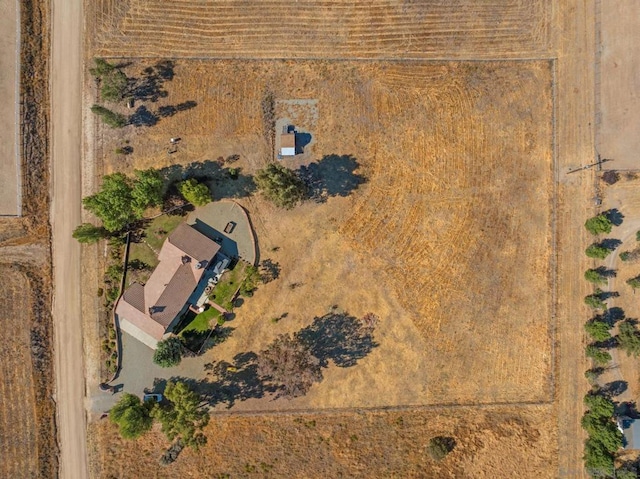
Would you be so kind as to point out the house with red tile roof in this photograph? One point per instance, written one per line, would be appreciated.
(151, 311)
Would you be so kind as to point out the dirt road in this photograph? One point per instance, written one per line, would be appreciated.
(66, 121)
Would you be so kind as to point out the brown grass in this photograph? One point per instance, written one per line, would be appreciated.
(491, 442)
(448, 241)
(320, 29)
(27, 411)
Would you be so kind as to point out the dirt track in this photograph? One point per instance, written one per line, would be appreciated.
(66, 84)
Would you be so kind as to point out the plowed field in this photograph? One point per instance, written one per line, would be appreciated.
(321, 29)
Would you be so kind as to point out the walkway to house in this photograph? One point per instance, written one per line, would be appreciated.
(212, 220)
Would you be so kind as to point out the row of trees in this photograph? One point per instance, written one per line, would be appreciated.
(114, 86)
(122, 200)
(182, 417)
(605, 438)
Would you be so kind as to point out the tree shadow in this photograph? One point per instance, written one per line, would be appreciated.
(232, 382)
(143, 117)
(610, 243)
(269, 270)
(338, 337)
(607, 273)
(217, 177)
(604, 295)
(150, 85)
(615, 216)
(198, 342)
(628, 408)
(302, 140)
(170, 110)
(613, 315)
(614, 388)
(333, 175)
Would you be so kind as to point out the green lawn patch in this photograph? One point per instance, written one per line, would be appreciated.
(202, 321)
(227, 286)
(142, 252)
(159, 228)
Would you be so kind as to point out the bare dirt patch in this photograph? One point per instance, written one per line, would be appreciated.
(492, 442)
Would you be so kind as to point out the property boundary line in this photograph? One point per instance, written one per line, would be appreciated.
(342, 59)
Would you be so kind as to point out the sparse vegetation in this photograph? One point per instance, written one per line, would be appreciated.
(634, 282)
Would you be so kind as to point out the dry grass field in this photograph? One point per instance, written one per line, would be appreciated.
(490, 443)
(439, 218)
(447, 237)
(27, 409)
(320, 29)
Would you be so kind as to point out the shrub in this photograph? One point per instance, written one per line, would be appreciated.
(598, 224)
(625, 256)
(440, 446)
(195, 193)
(102, 67)
(110, 118)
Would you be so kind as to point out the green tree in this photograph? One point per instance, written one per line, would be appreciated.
(169, 352)
(183, 418)
(629, 338)
(101, 68)
(146, 190)
(598, 355)
(634, 282)
(114, 85)
(131, 416)
(112, 204)
(597, 459)
(597, 329)
(111, 118)
(195, 193)
(89, 234)
(598, 224)
(627, 472)
(281, 185)
(595, 301)
(599, 405)
(597, 251)
(440, 446)
(595, 276)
